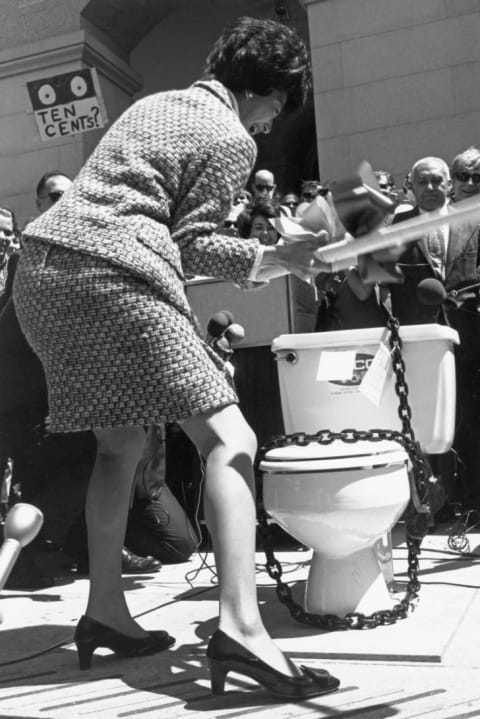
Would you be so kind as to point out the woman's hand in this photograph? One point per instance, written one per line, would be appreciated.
(298, 257)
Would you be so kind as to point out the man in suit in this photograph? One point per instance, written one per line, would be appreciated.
(451, 256)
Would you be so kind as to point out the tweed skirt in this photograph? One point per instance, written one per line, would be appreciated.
(114, 352)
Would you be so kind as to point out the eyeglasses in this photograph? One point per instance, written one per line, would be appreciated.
(54, 195)
(266, 188)
(466, 176)
(323, 191)
(229, 223)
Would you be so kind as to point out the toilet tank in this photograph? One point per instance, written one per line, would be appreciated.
(324, 383)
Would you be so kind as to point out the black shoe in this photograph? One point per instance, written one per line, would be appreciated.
(26, 575)
(133, 564)
(90, 634)
(226, 655)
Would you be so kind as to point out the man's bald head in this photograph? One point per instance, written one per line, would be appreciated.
(263, 185)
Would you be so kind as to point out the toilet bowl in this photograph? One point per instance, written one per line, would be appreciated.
(340, 499)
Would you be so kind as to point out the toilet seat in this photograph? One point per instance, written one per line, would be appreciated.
(315, 457)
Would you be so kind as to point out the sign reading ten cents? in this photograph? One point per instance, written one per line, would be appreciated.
(67, 104)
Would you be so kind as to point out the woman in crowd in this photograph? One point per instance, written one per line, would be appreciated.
(100, 295)
(254, 221)
(465, 174)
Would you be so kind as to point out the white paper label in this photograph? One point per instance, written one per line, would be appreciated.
(373, 383)
(336, 366)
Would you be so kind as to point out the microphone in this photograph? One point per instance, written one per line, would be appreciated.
(223, 332)
(22, 525)
(235, 333)
(431, 292)
(219, 323)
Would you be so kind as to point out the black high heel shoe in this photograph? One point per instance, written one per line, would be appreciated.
(225, 655)
(90, 634)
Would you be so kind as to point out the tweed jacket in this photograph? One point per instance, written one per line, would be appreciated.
(154, 191)
(461, 269)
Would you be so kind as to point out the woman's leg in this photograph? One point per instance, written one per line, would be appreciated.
(228, 445)
(107, 504)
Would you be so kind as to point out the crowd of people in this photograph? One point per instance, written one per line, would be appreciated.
(111, 354)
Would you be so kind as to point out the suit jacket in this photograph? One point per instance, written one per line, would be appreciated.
(461, 269)
(341, 309)
(154, 191)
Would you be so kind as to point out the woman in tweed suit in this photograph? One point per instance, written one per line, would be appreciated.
(100, 295)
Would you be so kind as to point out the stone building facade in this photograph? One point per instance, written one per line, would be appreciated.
(393, 79)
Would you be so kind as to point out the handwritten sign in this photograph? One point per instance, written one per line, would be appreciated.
(67, 104)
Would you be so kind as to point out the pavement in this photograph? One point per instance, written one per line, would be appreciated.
(426, 666)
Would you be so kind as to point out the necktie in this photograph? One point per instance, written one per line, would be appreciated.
(436, 248)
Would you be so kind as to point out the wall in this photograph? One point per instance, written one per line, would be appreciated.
(137, 47)
(394, 81)
(63, 43)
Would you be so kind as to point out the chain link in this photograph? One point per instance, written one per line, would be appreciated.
(417, 515)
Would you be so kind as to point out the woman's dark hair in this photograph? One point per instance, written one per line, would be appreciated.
(260, 207)
(261, 56)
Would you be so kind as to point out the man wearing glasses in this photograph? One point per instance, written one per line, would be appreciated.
(51, 186)
(263, 186)
(311, 188)
(451, 256)
(465, 171)
(9, 244)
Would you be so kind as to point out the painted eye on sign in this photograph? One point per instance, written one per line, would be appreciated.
(67, 104)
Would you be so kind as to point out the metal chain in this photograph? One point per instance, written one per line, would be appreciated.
(417, 515)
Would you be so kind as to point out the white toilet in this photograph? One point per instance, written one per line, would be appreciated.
(339, 499)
